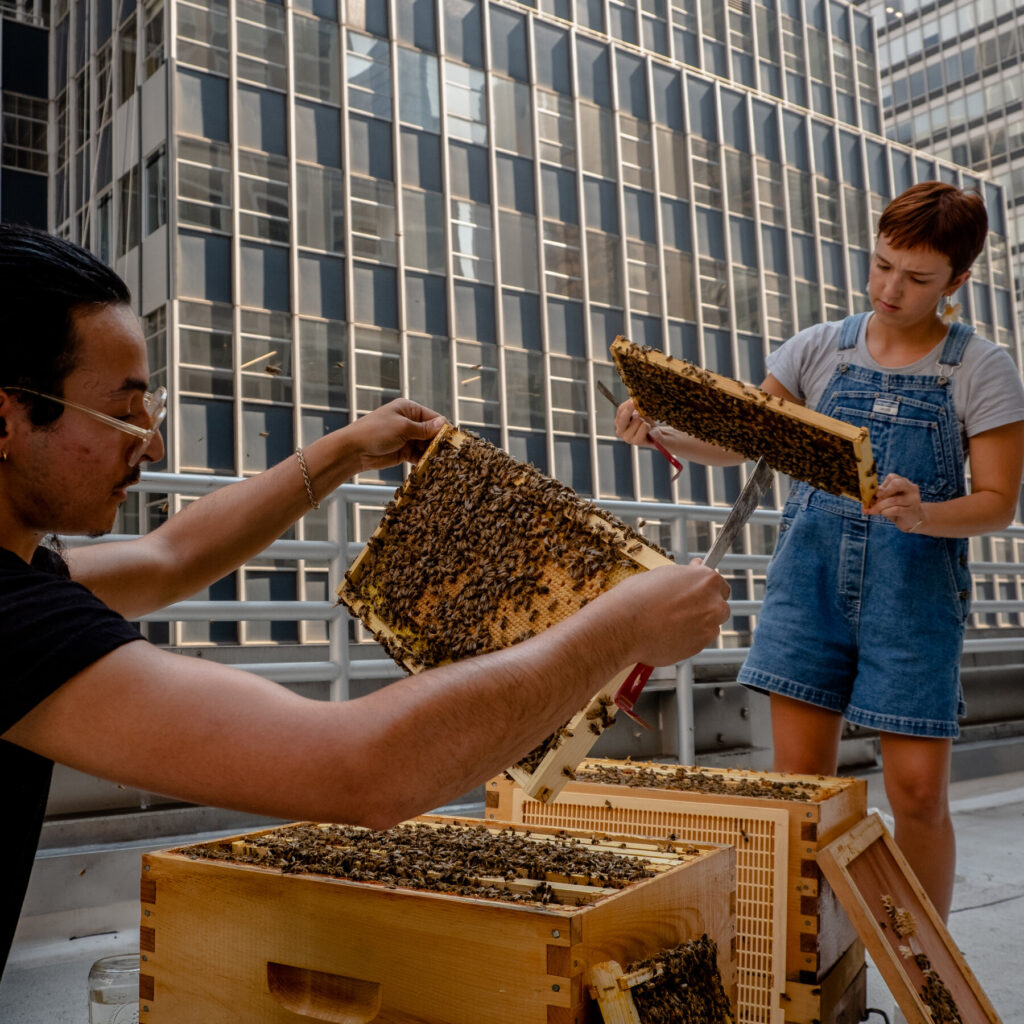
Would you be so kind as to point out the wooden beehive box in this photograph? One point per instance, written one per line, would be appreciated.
(479, 551)
(224, 941)
(826, 452)
(798, 956)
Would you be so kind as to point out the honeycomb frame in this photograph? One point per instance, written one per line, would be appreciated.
(806, 445)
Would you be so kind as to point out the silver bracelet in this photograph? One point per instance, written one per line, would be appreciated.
(305, 476)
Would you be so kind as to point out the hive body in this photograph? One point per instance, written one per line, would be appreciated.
(800, 442)
(228, 941)
(798, 956)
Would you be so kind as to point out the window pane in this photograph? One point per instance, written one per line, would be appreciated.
(203, 105)
(318, 133)
(264, 276)
(261, 116)
(322, 286)
(204, 266)
(317, 59)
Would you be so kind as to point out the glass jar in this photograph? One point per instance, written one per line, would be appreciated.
(114, 990)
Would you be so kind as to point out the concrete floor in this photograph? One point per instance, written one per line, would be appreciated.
(45, 982)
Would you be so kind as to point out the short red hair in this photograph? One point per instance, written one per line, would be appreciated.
(940, 217)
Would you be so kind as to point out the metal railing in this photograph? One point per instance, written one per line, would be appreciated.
(685, 525)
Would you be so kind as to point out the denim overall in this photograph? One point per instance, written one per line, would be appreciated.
(858, 616)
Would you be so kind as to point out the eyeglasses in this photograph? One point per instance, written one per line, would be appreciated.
(153, 402)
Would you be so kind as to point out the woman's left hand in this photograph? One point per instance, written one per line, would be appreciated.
(899, 500)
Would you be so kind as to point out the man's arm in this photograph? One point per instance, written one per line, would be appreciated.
(215, 735)
(217, 533)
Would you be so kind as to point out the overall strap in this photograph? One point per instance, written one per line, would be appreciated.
(953, 351)
(850, 330)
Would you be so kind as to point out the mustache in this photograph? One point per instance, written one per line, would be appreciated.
(132, 478)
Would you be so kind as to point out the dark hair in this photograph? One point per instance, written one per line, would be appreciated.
(44, 280)
(940, 217)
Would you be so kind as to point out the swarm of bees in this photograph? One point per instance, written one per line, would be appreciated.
(686, 987)
(933, 992)
(466, 860)
(698, 780)
(479, 551)
(827, 453)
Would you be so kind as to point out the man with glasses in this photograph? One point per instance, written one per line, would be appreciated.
(78, 418)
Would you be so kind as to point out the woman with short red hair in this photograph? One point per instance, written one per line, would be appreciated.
(865, 608)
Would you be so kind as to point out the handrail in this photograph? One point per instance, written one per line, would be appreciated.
(345, 659)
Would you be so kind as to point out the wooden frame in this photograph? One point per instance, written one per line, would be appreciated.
(570, 745)
(787, 432)
(865, 865)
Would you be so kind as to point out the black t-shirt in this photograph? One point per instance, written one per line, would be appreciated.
(51, 628)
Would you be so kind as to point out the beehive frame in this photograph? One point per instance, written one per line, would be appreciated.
(612, 988)
(864, 867)
(798, 958)
(368, 581)
(792, 439)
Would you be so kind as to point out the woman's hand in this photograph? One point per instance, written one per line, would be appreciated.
(631, 426)
(899, 501)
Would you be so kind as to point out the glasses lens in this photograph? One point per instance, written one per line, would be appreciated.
(155, 403)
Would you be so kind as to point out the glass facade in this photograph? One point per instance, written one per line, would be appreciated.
(323, 205)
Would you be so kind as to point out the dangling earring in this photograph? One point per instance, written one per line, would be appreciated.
(949, 312)
(3, 454)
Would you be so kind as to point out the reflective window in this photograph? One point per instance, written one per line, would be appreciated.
(508, 43)
(264, 276)
(419, 97)
(554, 56)
(322, 286)
(467, 105)
(316, 59)
(463, 31)
(426, 307)
(261, 117)
(203, 105)
(318, 133)
(156, 191)
(368, 73)
(204, 266)
(416, 23)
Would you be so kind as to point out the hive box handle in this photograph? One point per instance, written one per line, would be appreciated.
(322, 996)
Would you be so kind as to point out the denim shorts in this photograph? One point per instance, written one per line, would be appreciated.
(863, 619)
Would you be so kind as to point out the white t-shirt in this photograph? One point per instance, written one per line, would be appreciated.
(987, 388)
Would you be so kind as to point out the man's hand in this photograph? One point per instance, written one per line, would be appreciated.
(397, 432)
(670, 613)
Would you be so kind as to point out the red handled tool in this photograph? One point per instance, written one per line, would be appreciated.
(757, 483)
